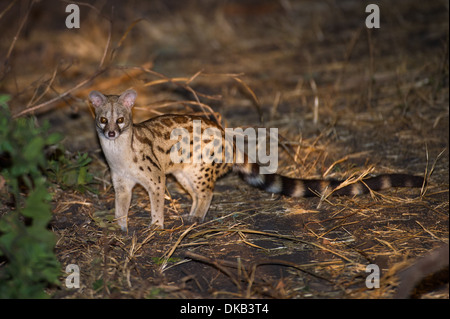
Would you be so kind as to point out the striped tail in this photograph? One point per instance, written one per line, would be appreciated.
(278, 184)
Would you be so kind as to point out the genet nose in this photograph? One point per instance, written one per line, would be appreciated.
(111, 134)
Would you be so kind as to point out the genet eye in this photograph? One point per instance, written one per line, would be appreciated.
(103, 120)
(120, 120)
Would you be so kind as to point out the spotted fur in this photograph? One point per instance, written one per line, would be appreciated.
(140, 154)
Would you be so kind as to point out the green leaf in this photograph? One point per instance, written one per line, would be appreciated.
(54, 138)
(28, 247)
(33, 151)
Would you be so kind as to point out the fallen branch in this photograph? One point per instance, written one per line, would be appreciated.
(249, 271)
(59, 97)
(251, 231)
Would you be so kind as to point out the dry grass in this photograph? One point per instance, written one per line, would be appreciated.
(348, 102)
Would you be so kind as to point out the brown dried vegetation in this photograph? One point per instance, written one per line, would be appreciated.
(347, 101)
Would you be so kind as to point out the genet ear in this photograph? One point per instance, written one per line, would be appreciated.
(96, 98)
(128, 98)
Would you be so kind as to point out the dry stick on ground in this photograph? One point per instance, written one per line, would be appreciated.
(184, 83)
(257, 232)
(16, 36)
(249, 271)
(124, 36)
(50, 82)
(427, 175)
(351, 180)
(186, 86)
(217, 264)
(62, 95)
(174, 247)
(7, 9)
(100, 69)
(287, 147)
(165, 103)
(165, 79)
(134, 248)
(108, 44)
(341, 224)
(255, 99)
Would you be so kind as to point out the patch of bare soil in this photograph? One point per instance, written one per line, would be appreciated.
(346, 100)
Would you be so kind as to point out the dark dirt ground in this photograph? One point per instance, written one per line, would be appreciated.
(344, 98)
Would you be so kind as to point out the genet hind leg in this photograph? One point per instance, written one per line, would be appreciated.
(199, 184)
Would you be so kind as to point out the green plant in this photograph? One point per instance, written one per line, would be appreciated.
(25, 242)
(70, 171)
